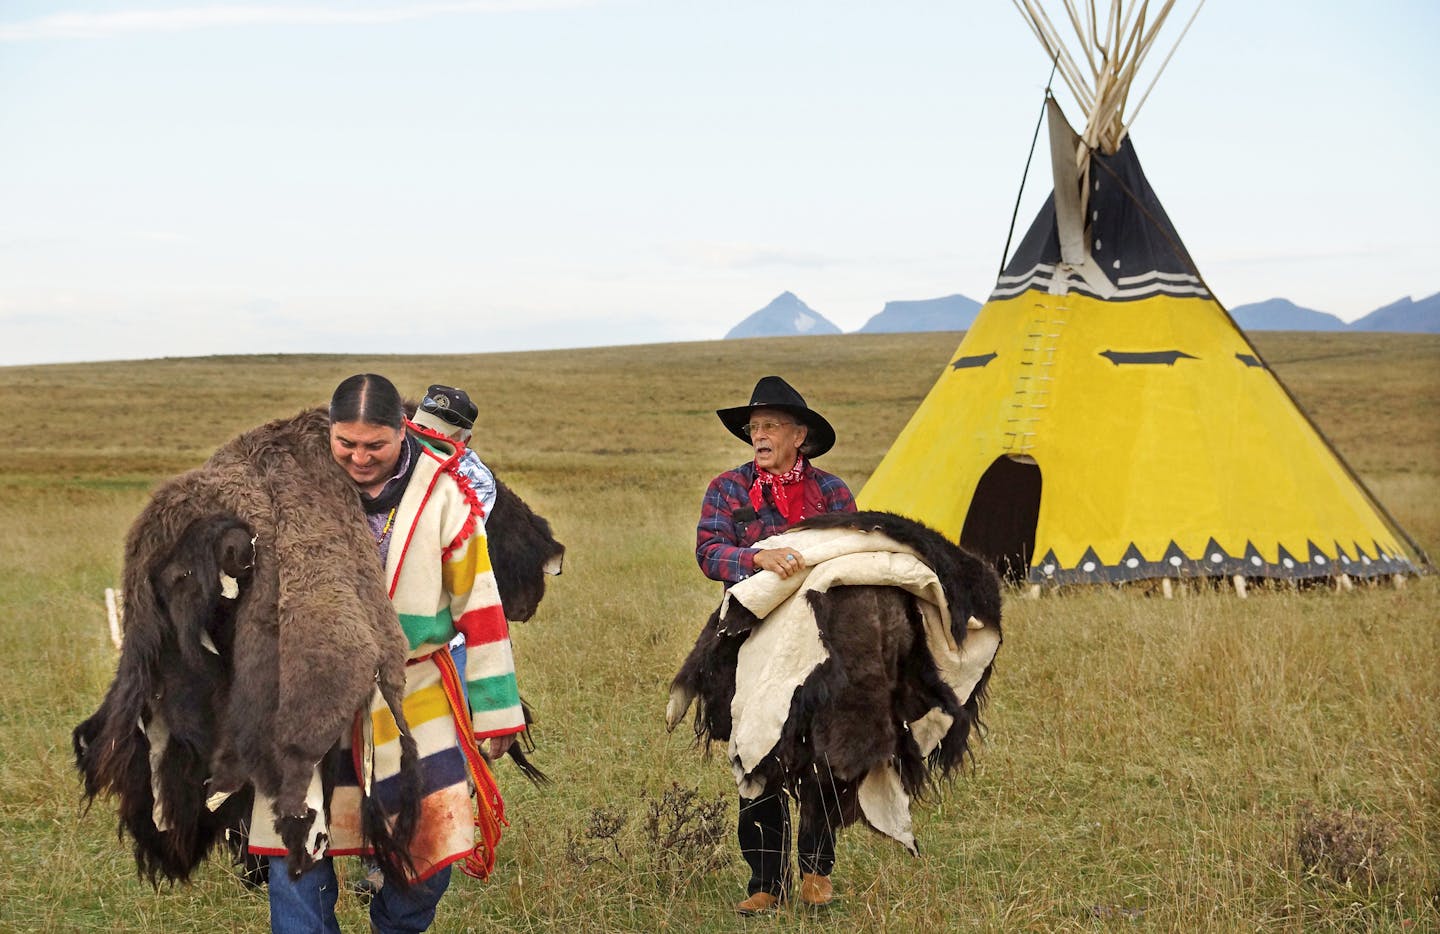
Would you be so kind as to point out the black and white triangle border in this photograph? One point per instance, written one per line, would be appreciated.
(1356, 561)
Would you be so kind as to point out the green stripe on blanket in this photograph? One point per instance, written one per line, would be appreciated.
(434, 630)
(497, 693)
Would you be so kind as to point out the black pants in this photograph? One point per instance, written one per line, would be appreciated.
(764, 833)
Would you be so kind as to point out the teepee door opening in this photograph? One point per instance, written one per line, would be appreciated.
(1000, 524)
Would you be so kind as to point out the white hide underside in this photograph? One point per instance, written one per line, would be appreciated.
(886, 806)
(317, 840)
(159, 736)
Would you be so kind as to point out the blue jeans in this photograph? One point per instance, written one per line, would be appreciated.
(307, 905)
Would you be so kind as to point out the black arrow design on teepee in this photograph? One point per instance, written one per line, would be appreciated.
(1250, 360)
(971, 363)
(1149, 357)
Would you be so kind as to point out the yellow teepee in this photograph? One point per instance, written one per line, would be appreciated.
(1104, 418)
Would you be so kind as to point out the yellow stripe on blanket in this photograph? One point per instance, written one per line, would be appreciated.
(459, 573)
(428, 703)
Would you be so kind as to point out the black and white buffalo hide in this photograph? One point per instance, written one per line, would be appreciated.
(150, 741)
(853, 712)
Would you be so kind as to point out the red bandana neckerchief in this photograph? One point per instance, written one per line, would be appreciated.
(790, 502)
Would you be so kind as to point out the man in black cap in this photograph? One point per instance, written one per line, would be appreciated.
(448, 411)
(760, 498)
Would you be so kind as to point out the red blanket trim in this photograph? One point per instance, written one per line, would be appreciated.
(466, 531)
(477, 510)
(449, 465)
(434, 435)
(489, 807)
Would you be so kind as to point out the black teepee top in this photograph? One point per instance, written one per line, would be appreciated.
(1131, 238)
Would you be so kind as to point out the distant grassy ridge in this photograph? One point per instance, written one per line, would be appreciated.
(1150, 764)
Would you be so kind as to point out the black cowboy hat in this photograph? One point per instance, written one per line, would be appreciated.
(772, 392)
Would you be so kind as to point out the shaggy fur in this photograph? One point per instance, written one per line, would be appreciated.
(189, 685)
(300, 650)
(522, 552)
(850, 715)
(309, 638)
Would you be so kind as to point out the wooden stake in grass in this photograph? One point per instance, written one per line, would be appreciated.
(112, 609)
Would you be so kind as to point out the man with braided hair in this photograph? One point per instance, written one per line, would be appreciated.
(426, 526)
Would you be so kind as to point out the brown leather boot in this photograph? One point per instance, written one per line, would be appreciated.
(815, 889)
(758, 903)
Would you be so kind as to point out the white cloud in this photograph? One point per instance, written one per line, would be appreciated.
(178, 19)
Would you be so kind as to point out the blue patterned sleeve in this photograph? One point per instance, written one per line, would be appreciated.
(479, 478)
(716, 537)
(837, 494)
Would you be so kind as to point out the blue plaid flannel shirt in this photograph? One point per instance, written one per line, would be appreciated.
(723, 545)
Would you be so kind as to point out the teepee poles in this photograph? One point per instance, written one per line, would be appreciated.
(1044, 30)
(1143, 97)
(1103, 60)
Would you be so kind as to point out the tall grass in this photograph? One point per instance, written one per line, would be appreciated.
(1149, 763)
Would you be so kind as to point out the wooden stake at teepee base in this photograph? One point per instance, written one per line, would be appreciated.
(112, 610)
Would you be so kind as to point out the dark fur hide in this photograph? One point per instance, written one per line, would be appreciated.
(302, 648)
(190, 686)
(523, 551)
(850, 714)
(296, 654)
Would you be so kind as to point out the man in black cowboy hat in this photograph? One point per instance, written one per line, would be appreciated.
(760, 498)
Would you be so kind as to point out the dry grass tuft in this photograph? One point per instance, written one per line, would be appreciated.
(1344, 846)
(682, 836)
(685, 834)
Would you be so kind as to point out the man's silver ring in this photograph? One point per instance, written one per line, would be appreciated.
(789, 557)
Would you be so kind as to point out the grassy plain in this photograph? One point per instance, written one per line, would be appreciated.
(1150, 764)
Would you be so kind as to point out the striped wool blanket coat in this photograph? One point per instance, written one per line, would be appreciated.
(457, 692)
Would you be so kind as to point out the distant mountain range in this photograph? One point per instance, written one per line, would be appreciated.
(1279, 314)
(1405, 315)
(951, 313)
(787, 315)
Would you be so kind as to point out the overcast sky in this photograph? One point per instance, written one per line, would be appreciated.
(185, 178)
